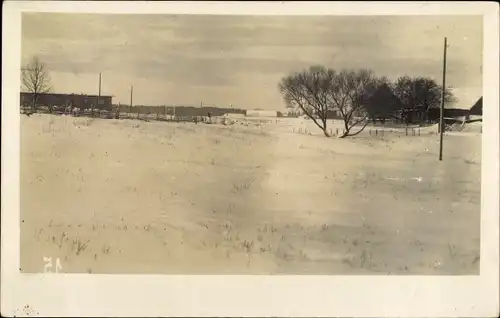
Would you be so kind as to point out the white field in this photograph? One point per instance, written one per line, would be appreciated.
(126, 196)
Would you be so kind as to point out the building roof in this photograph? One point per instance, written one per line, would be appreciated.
(477, 108)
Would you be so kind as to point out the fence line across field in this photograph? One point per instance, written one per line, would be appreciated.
(372, 132)
(161, 115)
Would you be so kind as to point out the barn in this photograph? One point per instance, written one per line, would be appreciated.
(76, 100)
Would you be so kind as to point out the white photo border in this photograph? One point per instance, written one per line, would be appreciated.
(163, 295)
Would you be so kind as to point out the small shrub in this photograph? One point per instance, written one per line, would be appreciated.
(80, 246)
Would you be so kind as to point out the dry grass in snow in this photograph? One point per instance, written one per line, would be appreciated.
(123, 196)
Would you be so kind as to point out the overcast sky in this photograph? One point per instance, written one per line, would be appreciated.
(239, 60)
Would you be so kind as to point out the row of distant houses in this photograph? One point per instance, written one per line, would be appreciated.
(81, 101)
(105, 102)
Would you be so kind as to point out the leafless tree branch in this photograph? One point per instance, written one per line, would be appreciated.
(36, 79)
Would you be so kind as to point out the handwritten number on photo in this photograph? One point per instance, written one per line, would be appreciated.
(47, 268)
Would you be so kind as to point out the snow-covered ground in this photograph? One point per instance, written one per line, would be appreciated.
(125, 196)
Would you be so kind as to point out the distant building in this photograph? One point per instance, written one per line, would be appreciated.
(76, 100)
(459, 114)
(262, 113)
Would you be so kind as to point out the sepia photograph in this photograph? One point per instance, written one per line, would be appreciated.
(170, 143)
(250, 144)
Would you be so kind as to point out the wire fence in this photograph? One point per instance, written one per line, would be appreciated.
(374, 130)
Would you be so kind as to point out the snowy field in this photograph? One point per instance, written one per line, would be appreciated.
(125, 196)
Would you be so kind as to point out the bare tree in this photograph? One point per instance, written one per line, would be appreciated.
(383, 103)
(421, 93)
(350, 93)
(308, 91)
(36, 79)
(319, 91)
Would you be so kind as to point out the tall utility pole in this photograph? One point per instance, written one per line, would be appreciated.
(441, 121)
(414, 95)
(98, 96)
(131, 94)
